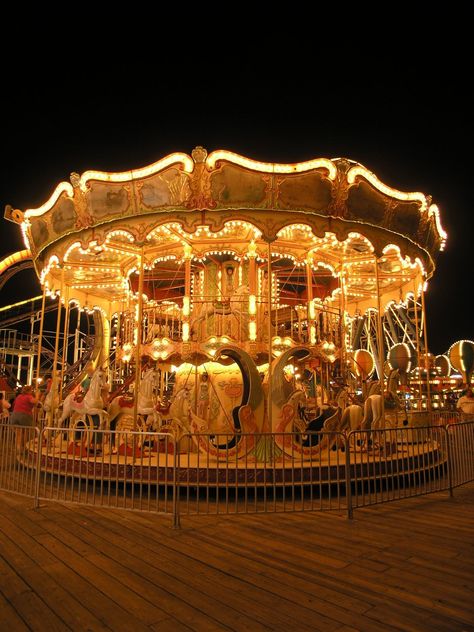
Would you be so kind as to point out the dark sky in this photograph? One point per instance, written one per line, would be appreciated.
(401, 115)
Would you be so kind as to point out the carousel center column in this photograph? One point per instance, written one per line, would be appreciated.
(309, 293)
(187, 291)
(252, 255)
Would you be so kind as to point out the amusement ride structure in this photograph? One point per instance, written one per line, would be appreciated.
(217, 296)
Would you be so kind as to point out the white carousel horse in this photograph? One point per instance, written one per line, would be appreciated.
(180, 405)
(176, 421)
(92, 404)
(147, 401)
(352, 417)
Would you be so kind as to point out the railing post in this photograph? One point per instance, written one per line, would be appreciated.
(350, 511)
(38, 467)
(450, 462)
(176, 515)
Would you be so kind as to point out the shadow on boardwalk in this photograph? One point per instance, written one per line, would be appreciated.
(398, 566)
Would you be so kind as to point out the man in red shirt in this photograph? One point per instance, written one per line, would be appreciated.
(22, 414)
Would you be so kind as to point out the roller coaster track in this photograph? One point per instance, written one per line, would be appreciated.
(15, 313)
(14, 263)
(7, 275)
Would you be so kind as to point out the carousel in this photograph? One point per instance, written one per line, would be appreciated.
(238, 307)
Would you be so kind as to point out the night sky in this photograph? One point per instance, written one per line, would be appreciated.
(410, 124)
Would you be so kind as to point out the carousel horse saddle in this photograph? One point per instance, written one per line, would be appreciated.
(126, 402)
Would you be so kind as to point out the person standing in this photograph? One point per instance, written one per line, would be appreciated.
(466, 403)
(22, 414)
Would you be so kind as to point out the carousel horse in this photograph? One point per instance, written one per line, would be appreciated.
(91, 404)
(351, 418)
(180, 405)
(393, 408)
(387, 415)
(176, 421)
(147, 404)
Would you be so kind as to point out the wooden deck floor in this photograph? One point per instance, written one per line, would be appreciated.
(401, 566)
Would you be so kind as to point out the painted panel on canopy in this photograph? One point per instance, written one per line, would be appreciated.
(310, 191)
(108, 200)
(168, 188)
(63, 216)
(405, 218)
(233, 186)
(39, 232)
(363, 203)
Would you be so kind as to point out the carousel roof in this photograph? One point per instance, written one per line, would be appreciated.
(99, 223)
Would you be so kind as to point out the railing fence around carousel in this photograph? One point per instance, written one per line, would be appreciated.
(234, 474)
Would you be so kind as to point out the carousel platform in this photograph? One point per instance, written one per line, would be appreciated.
(159, 465)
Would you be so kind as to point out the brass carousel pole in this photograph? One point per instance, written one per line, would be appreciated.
(188, 254)
(310, 315)
(65, 343)
(253, 291)
(269, 298)
(195, 388)
(425, 335)
(417, 333)
(139, 340)
(342, 324)
(380, 338)
(40, 340)
(54, 384)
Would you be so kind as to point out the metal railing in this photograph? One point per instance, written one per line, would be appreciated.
(443, 417)
(18, 467)
(234, 473)
(268, 472)
(391, 464)
(461, 446)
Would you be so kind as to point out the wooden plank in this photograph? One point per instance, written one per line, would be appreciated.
(208, 588)
(129, 576)
(9, 618)
(284, 564)
(388, 569)
(213, 555)
(403, 620)
(36, 614)
(169, 625)
(325, 611)
(364, 593)
(370, 584)
(28, 606)
(132, 602)
(69, 609)
(446, 571)
(11, 583)
(104, 609)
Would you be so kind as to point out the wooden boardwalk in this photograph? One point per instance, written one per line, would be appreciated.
(407, 565)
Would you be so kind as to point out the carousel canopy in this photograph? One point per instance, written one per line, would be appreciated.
(93, 233)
